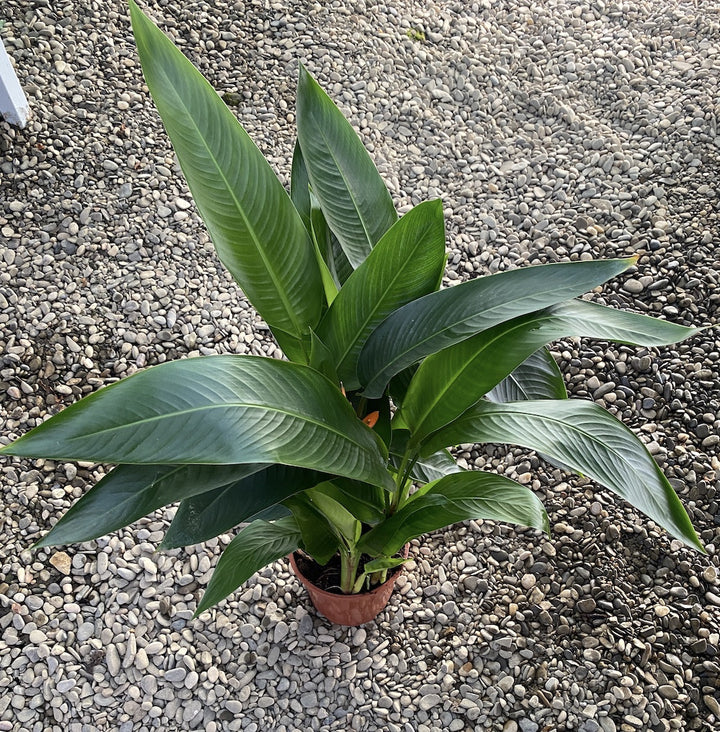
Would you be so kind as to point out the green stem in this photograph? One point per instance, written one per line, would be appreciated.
(406, 483)
(349, 562)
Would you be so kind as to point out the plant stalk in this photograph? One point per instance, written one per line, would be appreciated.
(349, 562)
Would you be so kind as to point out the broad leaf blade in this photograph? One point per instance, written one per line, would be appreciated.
(318, 538)
(353, 197)
(203, 516)
(365, 502)
(256, 230)
(458, 497)
(256, 546)
(130, 492)
(215, 410)
(449, 382)
(443, 318)
(401, 268)
(537, 377)
(587, 438)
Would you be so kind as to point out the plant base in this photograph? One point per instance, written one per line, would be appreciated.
(350, 610)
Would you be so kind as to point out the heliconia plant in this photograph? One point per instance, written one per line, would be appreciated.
(343, 448)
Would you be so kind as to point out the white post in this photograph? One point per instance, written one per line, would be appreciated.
(13, 102)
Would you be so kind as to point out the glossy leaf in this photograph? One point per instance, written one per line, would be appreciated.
(427, 469)
(364, 501)
(458, 497)
(130, 492)
(537, 377)
(318, 538)
(449, 382)
(402, 267)
(300, 188)
(343, 523)
(449, 316)
(208, 514)
(353, 197)
(256, 546)
(257, 232)
(215, 410)
(588, 439)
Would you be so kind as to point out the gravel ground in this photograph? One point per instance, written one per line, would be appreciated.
(552, 131)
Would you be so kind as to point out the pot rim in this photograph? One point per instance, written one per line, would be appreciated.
(340, 596)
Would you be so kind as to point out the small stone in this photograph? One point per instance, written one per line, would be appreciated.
(634, 287)
(281, 631)
(62, 562)
(587, 605)
(175, 675)
(37, 636)
(428, 701)
(667, 691)
(661, 610)
(85, 631)
(112, 659)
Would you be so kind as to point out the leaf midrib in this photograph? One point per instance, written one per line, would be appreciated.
(437, 333)
(592, 438)
(385, 294)
(465, 365)
(225, 405)
(253, 236)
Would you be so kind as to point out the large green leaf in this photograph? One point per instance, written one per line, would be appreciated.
(585, 437)
(364, 501)
(449, 316)
(256, 230)
(458, 497)
(537, 377)
(256, 546)
(353, 197)
(402, 267)
(203, 516)
(130, 492)
(215, 410)
(319, 539)
(449, 382)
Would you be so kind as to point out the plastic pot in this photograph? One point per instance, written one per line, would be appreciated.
(351, 610)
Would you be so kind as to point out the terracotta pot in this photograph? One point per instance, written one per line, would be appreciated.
(349, 609)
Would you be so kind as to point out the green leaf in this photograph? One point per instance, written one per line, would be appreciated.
(257, 232)
(321, 359)
(425, 470)
(343, 523)
(319, 539)
(256, 546)
(537, 377)
(458, 497)
(208, 514)
(381, 564)
(449, 382)
(215, 410)
(130, 492)
(449, 316)
(353, 197)
(402, 267)
(587, 438)
(364, 501)
(300, 188)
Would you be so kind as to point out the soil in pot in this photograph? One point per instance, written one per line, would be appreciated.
(322, 584)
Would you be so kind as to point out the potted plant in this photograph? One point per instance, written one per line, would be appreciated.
(341, 452)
